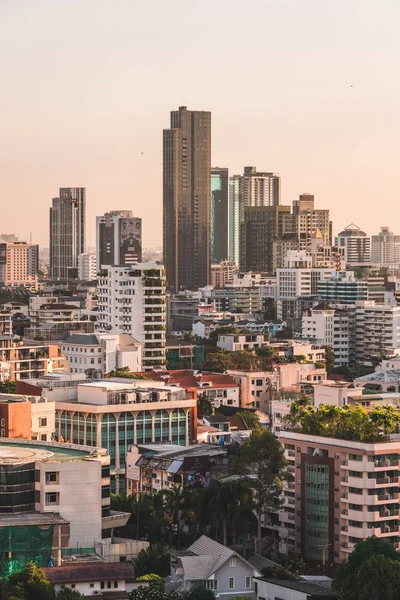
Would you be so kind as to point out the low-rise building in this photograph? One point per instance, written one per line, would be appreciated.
(98, 354)
(26, 417)
(237, 342)
(221, 569)
(223, 273)
(156, 467)
(23, 360)
(256, 387)
(294, 590)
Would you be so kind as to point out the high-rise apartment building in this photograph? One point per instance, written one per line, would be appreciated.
(118, 238)
(132, 300)
(67, 231)
(219, 215)
(306, 222)
(385, 247)
(186, 199)
(356, 243)
(19, 264)
(236, 213)
(87, 267)
(260, 188)
(260, 227)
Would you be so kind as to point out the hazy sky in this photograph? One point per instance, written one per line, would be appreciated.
(306, 88)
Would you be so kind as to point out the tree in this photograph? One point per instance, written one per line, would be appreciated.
(155, 581)
(154, 559)
(361, 564)
(176, 500)
(199, 592)
(263, 458)
(69, 594)
(33, 582)
(204, 406)
(329, 358)
(125, 373)
(251, 419)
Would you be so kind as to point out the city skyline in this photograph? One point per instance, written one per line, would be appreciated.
(331, 119)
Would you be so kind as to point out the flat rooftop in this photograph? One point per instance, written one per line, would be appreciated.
(31, 518)
(26, 451)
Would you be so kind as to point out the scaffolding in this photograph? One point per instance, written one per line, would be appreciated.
(19, 545)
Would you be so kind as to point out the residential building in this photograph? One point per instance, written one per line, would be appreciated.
(343, 492)
(356, 243)
(54, 318)
(291, 310)
(333, 327)
(87, 266)
(236, 212)
(100, 353)
(256, 387)
(237, 342)
(186, 199)
(19, 360)
(223, 429)
(280, 248)
(261, 188)
(260, 227)
(183, 355)
(296, 281)
(223, 273)
(19, 264)
(385, 247)
(118, 238)
(181, 310)
(131, 299)
(379, 331)
(220, 388)
(26, 418)
(342, 288)
(5, 322)
(329, 257)
(221, 569)
(153, 468)
(98, 579)
(219, 215)
(381, 381)
(67, 232)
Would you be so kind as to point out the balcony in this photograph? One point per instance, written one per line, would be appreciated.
(115, 519)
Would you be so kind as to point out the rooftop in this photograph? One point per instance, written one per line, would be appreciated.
(87, 573)
(311, 589)
(187, 378)
(391, 375)
(31, 518)
(26, 451)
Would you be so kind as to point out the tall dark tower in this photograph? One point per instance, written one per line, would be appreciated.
(186, 199)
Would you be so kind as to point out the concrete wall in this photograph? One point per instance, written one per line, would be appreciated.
(270, 591)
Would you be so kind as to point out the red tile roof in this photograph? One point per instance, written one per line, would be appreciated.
(89, 572)
(187, 378)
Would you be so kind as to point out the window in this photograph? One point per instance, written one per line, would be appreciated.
(231, 583)
(52, 477)
(248, 583)
(212, 584)
(3, 422)
(43, 422)
(51, 498)
(109, 585)
(3, 433)
(91, 585)
(115, 584)
(102, 585)
(43, 437)
(232, 561)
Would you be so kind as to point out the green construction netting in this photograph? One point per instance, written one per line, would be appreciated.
(19, 545)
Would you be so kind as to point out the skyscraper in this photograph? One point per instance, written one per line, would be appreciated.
(356, 243)
(219, 214)
(186, 199)
(260, 227)
(306, 222)
(67, 232)
(385, 247)
(236, 213)
(118, 238)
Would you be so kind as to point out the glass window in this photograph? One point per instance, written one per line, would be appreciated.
(231, 583)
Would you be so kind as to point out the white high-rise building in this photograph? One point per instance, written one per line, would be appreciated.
(356, 243)
(385, 247)
(131, 299)
(260, 188)
(87, 266)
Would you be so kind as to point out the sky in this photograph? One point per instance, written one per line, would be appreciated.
(306, 88)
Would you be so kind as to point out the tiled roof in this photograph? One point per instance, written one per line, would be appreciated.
(392, 375)
(206, 547)
(187, 379)
(89, 572)
(312, 589)
(198, 568)
(260, 562)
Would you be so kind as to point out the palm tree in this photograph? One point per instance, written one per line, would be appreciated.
(176, 501)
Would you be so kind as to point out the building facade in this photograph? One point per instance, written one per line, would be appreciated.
(219, 215)
(186, 199)
(87, 266)
(67, 232)
(118, 238)
(132, 300)
(236, 213)
(19, 264)
(385, 247)
(261, 188)
(356, 243)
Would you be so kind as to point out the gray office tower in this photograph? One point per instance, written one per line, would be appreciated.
(118, 238)
(219, 215)
(186, 199)
(67, 232)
